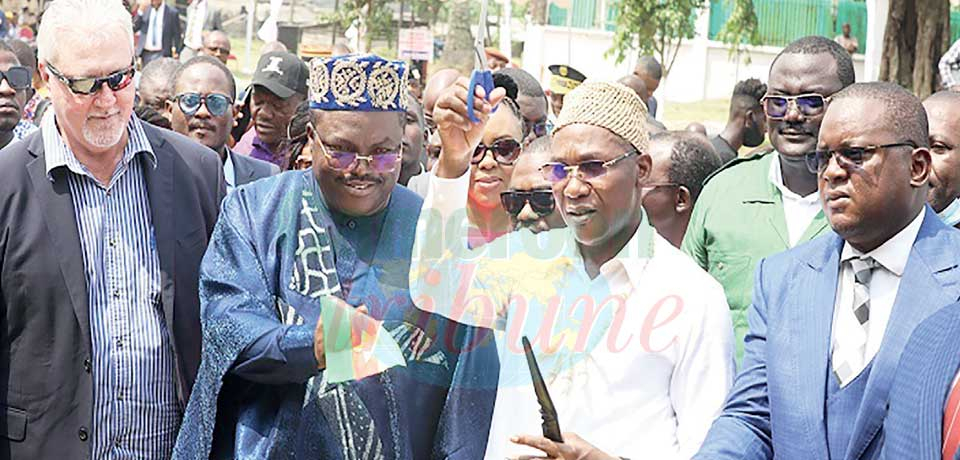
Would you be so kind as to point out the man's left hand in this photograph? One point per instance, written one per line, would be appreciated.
(572, 448)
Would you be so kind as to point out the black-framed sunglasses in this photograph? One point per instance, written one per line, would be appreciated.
(555, 172)
(89, 85)
(217, 104)
(216, 50)
(18, 77)
(541, 201)
(809, 105)
(384, 161)
(505, 152)
(818, 160)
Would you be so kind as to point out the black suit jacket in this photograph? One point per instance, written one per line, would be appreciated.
(172, 34)
(248, 169)
(46, 387)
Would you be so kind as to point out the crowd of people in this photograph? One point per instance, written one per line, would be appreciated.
(174, 248)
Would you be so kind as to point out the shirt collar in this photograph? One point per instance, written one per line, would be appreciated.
(776, 178)
(893, 253)
(630, 261)
(58, 155)
(229, 173)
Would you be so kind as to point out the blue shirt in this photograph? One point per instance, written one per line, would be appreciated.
(136, 413)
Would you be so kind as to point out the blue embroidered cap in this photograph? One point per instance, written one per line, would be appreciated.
(358, 82)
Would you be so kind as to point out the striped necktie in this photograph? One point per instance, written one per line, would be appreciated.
(850, 342)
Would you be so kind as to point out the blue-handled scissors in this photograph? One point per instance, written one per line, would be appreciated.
(481, 75)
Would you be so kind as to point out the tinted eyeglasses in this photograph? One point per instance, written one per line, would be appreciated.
(384, 161)
(505, 152)
(18, 77)
(538, 128)
(541, 201)
(89, 85)
(217, 104)
(818, 160)
(558, 172)
(809, 105)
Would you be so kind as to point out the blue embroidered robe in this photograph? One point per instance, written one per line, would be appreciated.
(276, 248)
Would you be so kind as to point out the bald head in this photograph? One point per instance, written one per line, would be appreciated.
(900, 110)
(217, 44)
(637, 85)
(440, 81)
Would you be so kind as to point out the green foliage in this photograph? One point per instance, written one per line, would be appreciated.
(741, 28)
(656, 27)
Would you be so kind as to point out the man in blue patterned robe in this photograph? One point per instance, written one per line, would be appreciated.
(345, 230)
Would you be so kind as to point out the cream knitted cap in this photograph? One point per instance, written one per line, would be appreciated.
(608, 105)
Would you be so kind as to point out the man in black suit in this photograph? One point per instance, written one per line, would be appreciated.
(105, 221)
(160, 31)
(202, 108)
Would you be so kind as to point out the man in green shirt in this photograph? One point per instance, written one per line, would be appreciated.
(767, 203)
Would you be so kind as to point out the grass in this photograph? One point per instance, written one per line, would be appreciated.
(712, 113)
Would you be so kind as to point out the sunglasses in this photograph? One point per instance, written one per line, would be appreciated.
(653, 186)
(538, 128)
(505, 152)
(846, 157)
(554, 172)
(809, 105)
(217, 104)
(384, 161)
(89, 85)
(541, 201)
(217, 50)
(18, 77)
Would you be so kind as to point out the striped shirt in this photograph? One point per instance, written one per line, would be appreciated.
(136, 413)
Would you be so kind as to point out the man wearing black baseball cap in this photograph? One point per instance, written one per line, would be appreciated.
(279, 85)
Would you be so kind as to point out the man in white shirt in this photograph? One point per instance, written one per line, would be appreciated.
(202, 18)
(633, 339)
(159, 27)
(830, 318)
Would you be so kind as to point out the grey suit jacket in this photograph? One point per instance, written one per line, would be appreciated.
(248, 169)
(46, 386)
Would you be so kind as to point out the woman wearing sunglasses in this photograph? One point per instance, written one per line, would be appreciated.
(491, 169)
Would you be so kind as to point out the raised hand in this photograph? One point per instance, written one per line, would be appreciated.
(458, 135)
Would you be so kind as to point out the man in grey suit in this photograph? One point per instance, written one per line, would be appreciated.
(202, 108)
(160, 31)
(105, 221)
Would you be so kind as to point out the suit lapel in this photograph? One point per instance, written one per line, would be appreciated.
(939, 370)
(815, 294)
(929, 283)
(160, 190)
(57, 205)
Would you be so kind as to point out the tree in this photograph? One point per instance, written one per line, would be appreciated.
(458, 50)
(655, 27)
(374, 16)
(741, 28)
(917, 34)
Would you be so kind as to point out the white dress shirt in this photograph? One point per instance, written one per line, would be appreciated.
(155, 33)
(659, 373)
(884, 284)
(798, 210)
(229, 173)
(196, 16)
